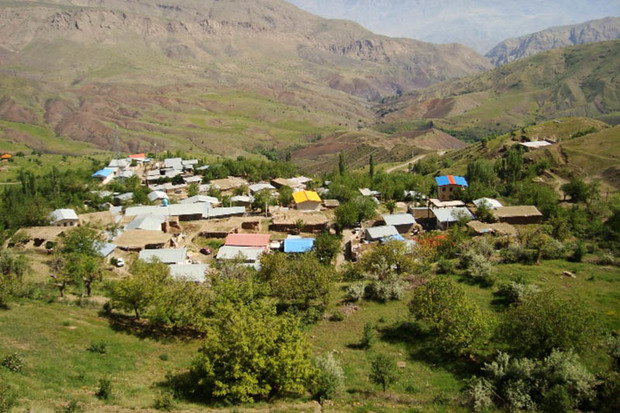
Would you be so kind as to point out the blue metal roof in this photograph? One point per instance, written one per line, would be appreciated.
(298, 245)
(450, 180)
(103, 173)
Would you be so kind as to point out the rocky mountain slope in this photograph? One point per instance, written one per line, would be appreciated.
(555, 38)
(194, 74)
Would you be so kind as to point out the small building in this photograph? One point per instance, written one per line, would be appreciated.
(367, 192)
(449, 184)
(497, 228)
(254, 188)
(105, 175)
(167, 256)
(402, 222)
(228, 184)
(104, 249)
(535, 144)
(331, 203)
(490, 203)
(298, 245)
(119, 164)
(280, 182)
(518, 215)
(223, 212)
(157, 196)
(147, 223)
(242, 200)
(64, 218)
(137, 240)
(122, 198)
(248, 240)
(436, 203)
(448, 216)
(173, 164)
(247, 255)
(287, 220)
(189, 212)
(379, 233)
(307, 200)
(204, 199)
(193, 180)
(189, 272)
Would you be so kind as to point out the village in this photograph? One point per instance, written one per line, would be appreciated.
(190, 225)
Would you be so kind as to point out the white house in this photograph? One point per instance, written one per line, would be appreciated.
(64, 218)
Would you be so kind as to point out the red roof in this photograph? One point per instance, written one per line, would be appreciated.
(137, 156)
(248, 240)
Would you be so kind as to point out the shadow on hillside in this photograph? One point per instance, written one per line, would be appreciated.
(143, 329)
(423, 346)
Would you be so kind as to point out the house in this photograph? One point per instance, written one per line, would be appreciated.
(369, 193)
(402, 222)
(64, 218)
(280, 182)
(254, 188)
(331, 203)
(518, 215)
(307, 200)
(122, 175)
(138, 157)
(445, 217)
(189, 272)
(242, 200)
(498, 228)
(449, 184)
(119, 164)
(214, 213)
(189, 212)
(535, 144)
(157, 196)
(105, 175)
(436, 203)
(137, 240)
(228, 184)
(193, 180)
(173, 164)
(147, 223)
(105, 249)
(490, 203)
(121, 198)
(248, 240)
(298, 245)
(249, 255)
(167, 256)
(381, 232)
(197, 199)
(289, 220)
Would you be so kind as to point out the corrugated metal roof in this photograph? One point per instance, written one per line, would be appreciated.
(224, 212)
(450, 180)
(62, 214)
(298, 245)
(176, 210)
(248, 240)
(147, 223)
(146, 210)
(399, 219)
(189, 272)
(376, 233)
(247, 254)
(106, 249)
(305, 196)
(174, 163)
(167, 256)
(451, 214)
(260, 187)
(489, 202)
(103, 173)
(196, 199)
(155, 195)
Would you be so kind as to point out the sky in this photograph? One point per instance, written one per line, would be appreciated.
(479, 24)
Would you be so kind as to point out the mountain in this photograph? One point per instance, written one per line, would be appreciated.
(479, 24)
(574, 81)
(555, 38)
(228, 76)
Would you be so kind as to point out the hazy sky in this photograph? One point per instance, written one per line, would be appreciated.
(480, 24)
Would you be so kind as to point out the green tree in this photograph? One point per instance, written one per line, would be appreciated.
(13, 267)
(193, 189)
(368, 336)
(342, 166)
(461, 326)
(286, 195)
(576, 189)
(82, 269)
(354, 212)
(262, 200)
(383, 371)
(542, 322)
(251, 354)
(371, 166)
(81, 240)
(480, 171)
(390, 205)
(326, 247)
(328, 381)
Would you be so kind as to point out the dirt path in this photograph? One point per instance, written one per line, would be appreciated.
(406, 164)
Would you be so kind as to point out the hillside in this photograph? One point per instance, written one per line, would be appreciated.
(555, 38)
(575, 81)
(226, 77)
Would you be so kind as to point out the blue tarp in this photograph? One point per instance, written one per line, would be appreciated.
(397, 237)
(298, 245)
(103, 173)
(450, 179)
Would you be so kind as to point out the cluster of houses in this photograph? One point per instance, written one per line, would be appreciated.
(166, 229)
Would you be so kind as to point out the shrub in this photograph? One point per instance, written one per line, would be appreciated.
(163, 357)
(383, 371)
(478, 394)
(445, 266)
(553, 249)
(578, 252)
(386, 290)
(14, 362)
(100, 347)
(104, 391)
(329, 377)
(355, 291)
(480, 270)
(164, 401)
(514, 292)
(516, 252)
(8, 398)
(368, 336)
(337, 316)
(71, 407)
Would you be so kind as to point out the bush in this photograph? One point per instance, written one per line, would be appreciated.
(514, 292)
(337, 316)
(8, 398)
(164, 401)
(355, 291)
(553, 250)
(480, 270)
(383, 371)
(578, 252)
(163, 357)
(329, 377)
(70, 407)
(368, 336)
(516, 252)
(14, 362)
(386, 290)
(479, 394)
(445, 266)
(104, 392)
(100, 347)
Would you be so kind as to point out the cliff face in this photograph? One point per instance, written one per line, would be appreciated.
(555, 38)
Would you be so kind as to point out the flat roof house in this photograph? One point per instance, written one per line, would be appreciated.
(189, 272)
(448, 216)
(379, 233)
(167, 256)
(64, 217)
(105, 175)
(402, 222)
(518, 215)
(447, 185)
(248, 240)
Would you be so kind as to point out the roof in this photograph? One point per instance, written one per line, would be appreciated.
(396, 237)
(146, 210)
(118, 163)
(384, 231)
(141, 238)
(446, 204)
(127, 196)
(260, 187)
(196, 199)
(126, 174)
(62, 214)
(137, 156)
(450, 180)
(174, 163)
(176, 210)
(297, 245)
(305, 196)
(106, 249)
(248, 254)
(6, 156)
(368, 192)
(228, 183)
(451, 214)
(192, 179)
(495, 228)
(224, 212)
(517, 211)
(167, 255)
(536, 144)
(190, 162)
(189, 272)
(489, 202)
(248, 240)
(399, 219)
(155, 195)
(147, 223)
(103, 173)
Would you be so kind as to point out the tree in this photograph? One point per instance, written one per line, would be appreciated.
(354, 211)
(371, 166)
(342, 166)
(328, 381)
(82, 269)
(193, 189)
(262, 200)
(383, 371)
(576, 189)
(81, 240)
(480, 171)
(13, 267)
(460, 325)
(80, 261)
(390, 205)
(326, 247)
(251, 353)
(286, 195)
(368, 336)
(542, 322)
